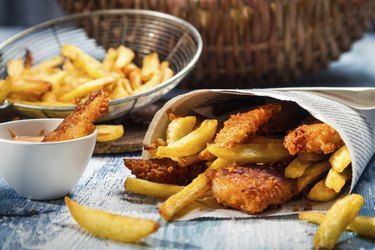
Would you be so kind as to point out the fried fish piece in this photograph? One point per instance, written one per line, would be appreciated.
(164, 170)
(267, 119)
(313, 138)
(251, 189)
(80, 122)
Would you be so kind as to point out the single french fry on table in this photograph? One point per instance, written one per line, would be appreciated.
(362, 225)
(109, 132)
(106, 225)
(149, 188)
(338, 217)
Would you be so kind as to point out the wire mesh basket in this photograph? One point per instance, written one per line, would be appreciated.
(175, 41)
(258, 43)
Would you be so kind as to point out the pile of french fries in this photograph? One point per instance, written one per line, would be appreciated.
(343, 215)
(188, 141)
(67, 79)
(307, 168)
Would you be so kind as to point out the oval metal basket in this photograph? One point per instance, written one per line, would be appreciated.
(143, 31)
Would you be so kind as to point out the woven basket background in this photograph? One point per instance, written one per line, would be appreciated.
(258, 43)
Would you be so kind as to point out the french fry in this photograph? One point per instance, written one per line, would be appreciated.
(111, 226)
(179, 127)
(312, 174)
(320, 192)
(195, 190)
(205, 155)
(185, 161)
(135, 79)
(149, 188)
(362, 225)
(192, 143)
(337, 180)
(129, 68)
(154, 81)
(28, 61)
(311, 157)
(127, 86)
(44, 104)
(150, 65)
(110, 59)
(119, 90)
(124, 57)
(167, 72)
(47, 65)
(88, 64)
(88, 87)
(109, 132)
(4, 89)
(251, 152)
(32, 86)
(296, 168)
(338, 217)
(15, 68)
(340, 159)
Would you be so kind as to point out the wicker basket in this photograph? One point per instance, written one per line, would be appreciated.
(259, 43)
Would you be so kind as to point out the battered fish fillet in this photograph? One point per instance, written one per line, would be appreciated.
(250, 189)
(164, 171)
(313, 138)
(263, 120)
(80, 122)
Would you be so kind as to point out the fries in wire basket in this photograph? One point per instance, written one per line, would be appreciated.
(67, 79)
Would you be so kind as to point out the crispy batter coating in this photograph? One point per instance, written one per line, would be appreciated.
(263, 120)
(242, 126)
(313, 138)
(164, 171)
(250, 189)
(80, 122)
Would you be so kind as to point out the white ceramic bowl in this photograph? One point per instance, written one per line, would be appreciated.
(42, 170)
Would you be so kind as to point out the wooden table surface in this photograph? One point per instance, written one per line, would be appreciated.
(27, 224)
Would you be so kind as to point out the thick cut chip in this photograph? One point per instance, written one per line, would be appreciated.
(363, 225)
(311, 157)
(320, 192)
(336, 180)
(337, 219)
(124, 57)
(87, 87)
(296, 168)
(150, 66)
(192, 143)
(179, 127)
(15, 68)
(81, 60)
(251, 152)
(195, 190)
(111, 226)
(312, 174)
(149, 188)
(110, 59)
(29, 86)
(4, 89)
(109, 132)
(340, 159)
